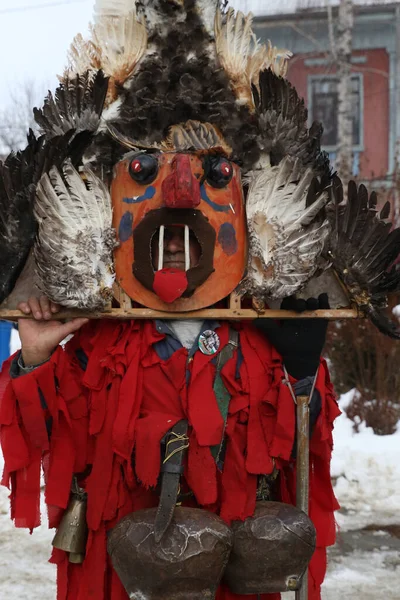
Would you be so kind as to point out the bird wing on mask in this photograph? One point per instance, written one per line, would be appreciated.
(77, 104)
(17, 224)
(363, 247)
(282, 124)
(288, 228)
(75, 241)
(19, 175)
(69, 121)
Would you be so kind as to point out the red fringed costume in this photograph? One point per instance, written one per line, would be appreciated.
(176, 170)
(107, 422)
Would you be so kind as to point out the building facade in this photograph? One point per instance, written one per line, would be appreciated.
(375, 79)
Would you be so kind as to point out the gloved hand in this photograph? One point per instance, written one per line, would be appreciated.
(300, 342)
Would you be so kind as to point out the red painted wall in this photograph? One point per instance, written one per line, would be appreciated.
(375, 71)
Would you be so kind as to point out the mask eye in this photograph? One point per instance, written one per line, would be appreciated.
(144, 168)
(219, 171)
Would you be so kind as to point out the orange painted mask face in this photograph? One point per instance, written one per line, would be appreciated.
(181, 227)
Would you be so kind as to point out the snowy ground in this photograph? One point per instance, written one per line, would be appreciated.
(365, 563)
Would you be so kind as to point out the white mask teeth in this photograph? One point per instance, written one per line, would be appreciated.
(187, 249)
(161, 247)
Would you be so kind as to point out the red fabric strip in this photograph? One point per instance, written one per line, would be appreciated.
(27, 394)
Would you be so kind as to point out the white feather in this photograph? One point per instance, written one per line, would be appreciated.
(118, 41)
(74, 248)
(235, 41)
(111, 113)
(241, 54)
(122, 41)
(286, 238)
(82, 56)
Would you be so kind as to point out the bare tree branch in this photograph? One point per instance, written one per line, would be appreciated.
(332, 41)
(345, 122)
(17, 118)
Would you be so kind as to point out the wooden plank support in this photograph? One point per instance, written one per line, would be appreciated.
(230, 314)
(235, 301)
(124, 301)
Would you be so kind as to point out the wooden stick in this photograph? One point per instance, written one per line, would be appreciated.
(302, 471)
(230, 314)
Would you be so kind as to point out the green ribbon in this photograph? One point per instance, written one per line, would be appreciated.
(220, 390)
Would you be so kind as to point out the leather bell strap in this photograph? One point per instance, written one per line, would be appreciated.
(177, 442)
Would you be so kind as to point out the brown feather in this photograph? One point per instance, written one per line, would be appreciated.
(194, 135)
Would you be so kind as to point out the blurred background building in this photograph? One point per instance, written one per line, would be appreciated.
(310, 33)
(312, 30)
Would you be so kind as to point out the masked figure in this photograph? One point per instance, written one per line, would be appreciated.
(175, 167)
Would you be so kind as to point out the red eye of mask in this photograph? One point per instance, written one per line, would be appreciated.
(219, 171)
(144, 168)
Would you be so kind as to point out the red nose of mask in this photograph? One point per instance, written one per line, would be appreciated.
(181, 188)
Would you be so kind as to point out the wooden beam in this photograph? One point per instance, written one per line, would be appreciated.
(229, 314)
(235, 301)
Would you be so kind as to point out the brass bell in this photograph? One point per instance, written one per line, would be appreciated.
(72, 532)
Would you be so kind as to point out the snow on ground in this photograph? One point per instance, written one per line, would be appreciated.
(24, 570)
(366, 575)
(367, 472)
(366, 468)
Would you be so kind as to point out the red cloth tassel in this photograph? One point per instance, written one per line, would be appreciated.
(61, 465)
(201, 473)
(31, 411)
(238, 494)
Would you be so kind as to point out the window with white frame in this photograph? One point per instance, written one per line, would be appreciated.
(323, 107)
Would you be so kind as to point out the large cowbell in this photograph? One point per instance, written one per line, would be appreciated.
(200, 192)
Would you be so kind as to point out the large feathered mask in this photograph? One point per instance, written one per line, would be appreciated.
(166, 122)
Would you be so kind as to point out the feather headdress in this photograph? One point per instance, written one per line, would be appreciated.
(19, 176)
(185, 76)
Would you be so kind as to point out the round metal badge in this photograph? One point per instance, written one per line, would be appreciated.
(209, 342)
